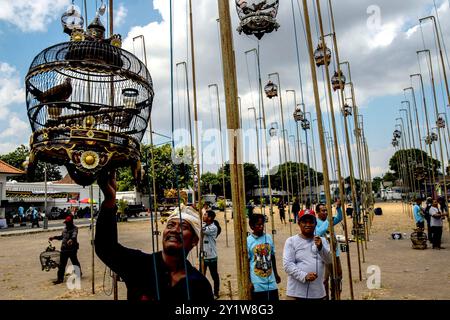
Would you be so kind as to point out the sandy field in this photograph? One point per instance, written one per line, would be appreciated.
(406, 274)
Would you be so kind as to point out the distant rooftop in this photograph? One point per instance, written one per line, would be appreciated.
(8, 169)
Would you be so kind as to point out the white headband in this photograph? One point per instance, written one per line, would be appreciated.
(189, 215)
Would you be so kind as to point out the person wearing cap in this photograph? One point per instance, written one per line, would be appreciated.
(322, 230)
(69, 248)
(165, 275)
(304, 259)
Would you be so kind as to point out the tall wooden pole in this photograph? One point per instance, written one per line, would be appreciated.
(425, 109)
(342, 183)
(194, 92)
(223, 161)
(352, 174)
(433, 86)
(326, 179)
(111, 32)
(284, 144)
(235, 150)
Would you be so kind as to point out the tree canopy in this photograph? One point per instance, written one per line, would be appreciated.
(17, 158)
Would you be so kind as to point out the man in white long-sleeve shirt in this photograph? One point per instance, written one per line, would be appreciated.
(304, 259)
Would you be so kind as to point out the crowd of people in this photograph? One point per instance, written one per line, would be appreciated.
(168, 275)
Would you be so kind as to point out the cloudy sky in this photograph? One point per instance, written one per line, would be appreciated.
(378, 37)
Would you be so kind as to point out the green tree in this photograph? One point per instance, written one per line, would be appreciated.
(295, 172)
(404, 164)
(17, 158)
(166, 173)
(251, 177)
(376, 184)
(211, 183)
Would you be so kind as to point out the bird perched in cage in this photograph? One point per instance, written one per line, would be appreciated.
(61, 92)
(259, 6)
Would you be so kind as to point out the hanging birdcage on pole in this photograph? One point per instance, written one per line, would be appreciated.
(440, 123)
(347, 111)
(298, 114)
(306, 125)
(88, 102)
(397, 134)
(395, 143)
(429, 140)
(257, 17)
(271, 90)
(338, 80)
(420, 172)
(321, 55)
(434, 137)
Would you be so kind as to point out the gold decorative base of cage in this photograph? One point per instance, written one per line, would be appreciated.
(85, 152)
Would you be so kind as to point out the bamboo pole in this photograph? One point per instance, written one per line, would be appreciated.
(223, 162)
(336, 142)
(258, 159)
(235, 149)
(417, 127)
(320, 123)
(432, 176)
(284, 144)
(433, 86)
(350, 165)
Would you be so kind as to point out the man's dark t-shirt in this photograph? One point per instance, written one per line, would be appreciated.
(145, 275)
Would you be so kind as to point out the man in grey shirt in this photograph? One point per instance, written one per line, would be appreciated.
(210, 233)
(304, 259)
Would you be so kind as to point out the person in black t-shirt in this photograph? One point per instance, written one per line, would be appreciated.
(162, 276)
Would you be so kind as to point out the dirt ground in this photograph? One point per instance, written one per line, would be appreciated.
(405, 273)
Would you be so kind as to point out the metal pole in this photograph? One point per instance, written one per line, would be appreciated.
(418, 128)
(91, 198)
(264, 128)
(223, 162)
(350, 166)
(258, 159)
(307, 156)
(45, 200)
(284, 143)
(439, 129)
(431, 167)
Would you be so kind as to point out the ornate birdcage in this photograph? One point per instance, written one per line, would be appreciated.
(321, 55)
(273, 132)
(88, 102)
(434, 137)
(440, 123)
(257, 17)
(298, 114)
(306, 125)
(420, 172)
(338, 81)
(394, 143)
(271, 90)
(347, 111)
(397, 134)
(429, 140)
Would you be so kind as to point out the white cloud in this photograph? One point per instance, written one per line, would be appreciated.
(17, 128)
(30, 16)
(11, 90)
(120, 15)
